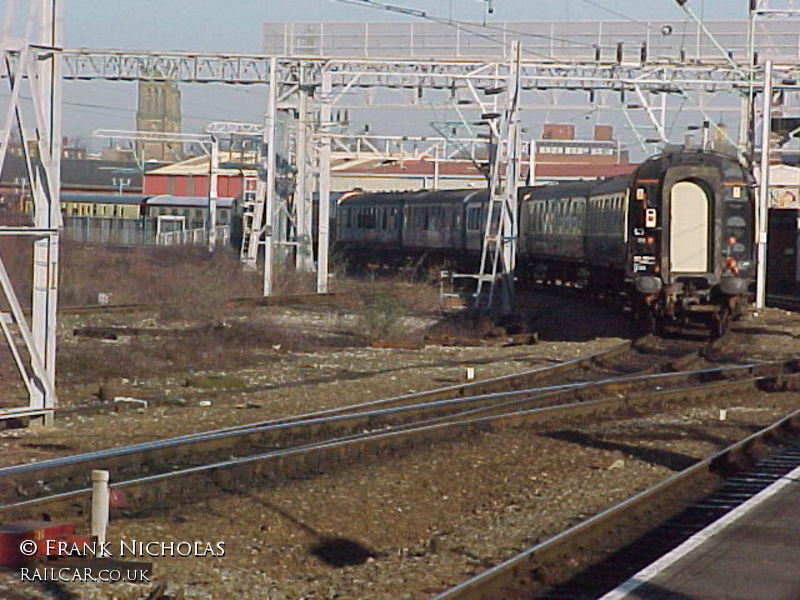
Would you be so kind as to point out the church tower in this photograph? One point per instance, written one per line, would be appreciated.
(159, 109)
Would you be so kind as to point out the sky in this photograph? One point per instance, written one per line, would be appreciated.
(235, 26)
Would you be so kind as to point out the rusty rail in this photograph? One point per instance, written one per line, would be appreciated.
(158, 490)
(610, 529)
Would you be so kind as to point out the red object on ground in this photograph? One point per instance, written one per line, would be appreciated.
(25, 541)
(118, 499)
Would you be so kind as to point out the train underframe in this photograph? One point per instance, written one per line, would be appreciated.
(699, 302)
(688, 304)
(675, 305)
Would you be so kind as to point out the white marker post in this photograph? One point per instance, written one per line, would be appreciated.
(762, 213)
(100, 503)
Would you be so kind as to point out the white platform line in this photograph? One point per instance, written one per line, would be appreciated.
(669, 559)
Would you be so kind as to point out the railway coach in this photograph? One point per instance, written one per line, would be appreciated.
(676, 237)
(390, 227)
(691, 238)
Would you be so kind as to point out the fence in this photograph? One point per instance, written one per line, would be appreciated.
(778, 40)
(133, 232)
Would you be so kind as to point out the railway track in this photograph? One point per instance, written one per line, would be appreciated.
(784, 302)
(671, 511)
(245, 301)
(153, 472)
(649, 353)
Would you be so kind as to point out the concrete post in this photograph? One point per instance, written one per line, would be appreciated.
(270, 140)
(213, 184)
(323, 228)
(100, 503)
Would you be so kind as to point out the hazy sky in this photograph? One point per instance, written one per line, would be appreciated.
(235, 26)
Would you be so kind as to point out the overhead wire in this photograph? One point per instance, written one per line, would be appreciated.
(463, 25)
(611, 11)
(90, 107)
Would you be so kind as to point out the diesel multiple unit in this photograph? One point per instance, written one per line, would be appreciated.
(676, 237)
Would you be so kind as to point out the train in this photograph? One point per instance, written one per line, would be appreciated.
(137, 219)
(675, 238)
(783, 257)
(192, 209)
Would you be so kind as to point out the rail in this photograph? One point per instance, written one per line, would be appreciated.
(369, 433)
(515, 571)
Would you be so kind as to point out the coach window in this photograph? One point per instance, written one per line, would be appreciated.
(473, 217)
(384, 219)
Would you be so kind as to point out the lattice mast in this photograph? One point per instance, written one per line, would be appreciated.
(498, 254)
(32, 67)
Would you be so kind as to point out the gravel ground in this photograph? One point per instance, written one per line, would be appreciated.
(425, 520)
(293, 382)
(432, 518)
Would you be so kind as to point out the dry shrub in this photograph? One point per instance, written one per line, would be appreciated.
(286, 280)
(193, 281)
(196, 282)
(217, 347)
(12, 390)
(415, 298)
(380, 315)
(382, 307)
(17, 255)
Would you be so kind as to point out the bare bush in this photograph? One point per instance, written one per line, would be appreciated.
(193, 282)
(380, 314)
(17, 255)
(382, 308)
(222, 346)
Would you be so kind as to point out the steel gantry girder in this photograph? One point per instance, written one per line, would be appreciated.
(294, 81)
(710, 75)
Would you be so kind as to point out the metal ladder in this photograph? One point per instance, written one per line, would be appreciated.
(498, 254)
(253, 203)
(498, 251)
